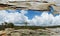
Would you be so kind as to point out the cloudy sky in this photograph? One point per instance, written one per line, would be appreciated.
(36, 18)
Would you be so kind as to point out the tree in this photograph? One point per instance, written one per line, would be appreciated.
(26, 24)
(10, 25)
(5, 23)
(3, 26)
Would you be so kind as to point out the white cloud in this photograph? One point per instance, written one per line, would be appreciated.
(44, 20)
(12, 17)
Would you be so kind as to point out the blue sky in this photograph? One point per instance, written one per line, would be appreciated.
(32, 13)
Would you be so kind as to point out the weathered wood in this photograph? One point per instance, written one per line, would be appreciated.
(30, 5)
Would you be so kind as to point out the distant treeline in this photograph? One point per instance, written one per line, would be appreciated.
(11, 25)
(35, 27)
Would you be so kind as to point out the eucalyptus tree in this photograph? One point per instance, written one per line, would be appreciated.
(8, 25)
(25, 24)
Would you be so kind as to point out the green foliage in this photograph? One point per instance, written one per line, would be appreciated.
(7, 25)
(28, 27)
(10, 25)
(26, 23)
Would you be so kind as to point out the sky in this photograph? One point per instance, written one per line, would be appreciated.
(34, 18)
